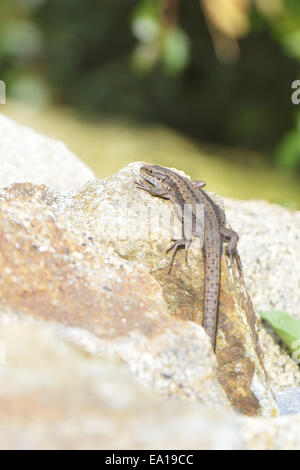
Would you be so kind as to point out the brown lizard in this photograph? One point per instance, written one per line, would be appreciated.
(167, 184)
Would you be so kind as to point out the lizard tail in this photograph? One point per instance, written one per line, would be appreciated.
(211, 297)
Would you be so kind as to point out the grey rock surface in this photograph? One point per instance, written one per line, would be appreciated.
(116, 214)
(269, 246)
(53, 396)
(270, 249)
(280, 433)
(26, 156)
(288, 401)
(58, 395)
(54, 272)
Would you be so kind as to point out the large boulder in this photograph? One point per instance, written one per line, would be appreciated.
(96, 336)
(26, 156)
(53, 396)
(58, 272)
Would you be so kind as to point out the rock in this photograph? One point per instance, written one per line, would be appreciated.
(271, 434)
(72, 271)
(115, 213)
(54, 271)
(270, 250)
(53, 396)
(26, 156)
(283, 371)
(57, 273)
(289, 401)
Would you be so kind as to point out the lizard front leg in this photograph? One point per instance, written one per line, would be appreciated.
(153, 190)
(198, 184)
(177, 245)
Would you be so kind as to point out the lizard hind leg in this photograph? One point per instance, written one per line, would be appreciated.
(231, 248)
(177, 245)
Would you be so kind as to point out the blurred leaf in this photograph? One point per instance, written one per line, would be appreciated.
(175, 50)
(229, 17)
(30, 89)
(286, 326)
(147, 7)
(288, 153)
(291, 43)
(29, 5)
(145, 28)
(145, 56)
(21, 39)
(83, 50)
(293, 6)
(270, 8)
(145, 21)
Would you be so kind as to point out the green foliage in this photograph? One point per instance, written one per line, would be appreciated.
(285, 29)
(21, 47)
(288, 152)
(287, 327)
(116, 57)
(145, 22)
(159, 43)
(175, 51)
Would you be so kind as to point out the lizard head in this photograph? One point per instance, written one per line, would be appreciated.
(154, 174)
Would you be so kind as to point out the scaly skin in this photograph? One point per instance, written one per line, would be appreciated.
(167, 184)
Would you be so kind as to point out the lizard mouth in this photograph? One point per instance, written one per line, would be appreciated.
(144, 182)
(146, 178)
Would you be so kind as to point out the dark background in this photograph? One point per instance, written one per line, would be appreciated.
(85, 54)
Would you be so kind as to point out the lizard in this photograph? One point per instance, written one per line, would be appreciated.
(168, 184)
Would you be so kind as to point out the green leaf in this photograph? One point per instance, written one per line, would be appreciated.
(288, 152)
(144, 57)
(21, 38)
(287, 327)
(145, 21)
(175, 51)
(291, 43)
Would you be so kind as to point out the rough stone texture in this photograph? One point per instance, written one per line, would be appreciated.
(271, 434)
(77, 280)
(283, 371)
(270, 249)
(289, 401)
(136, 225)
(55, 397)
(58, 273)
(26, 156)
